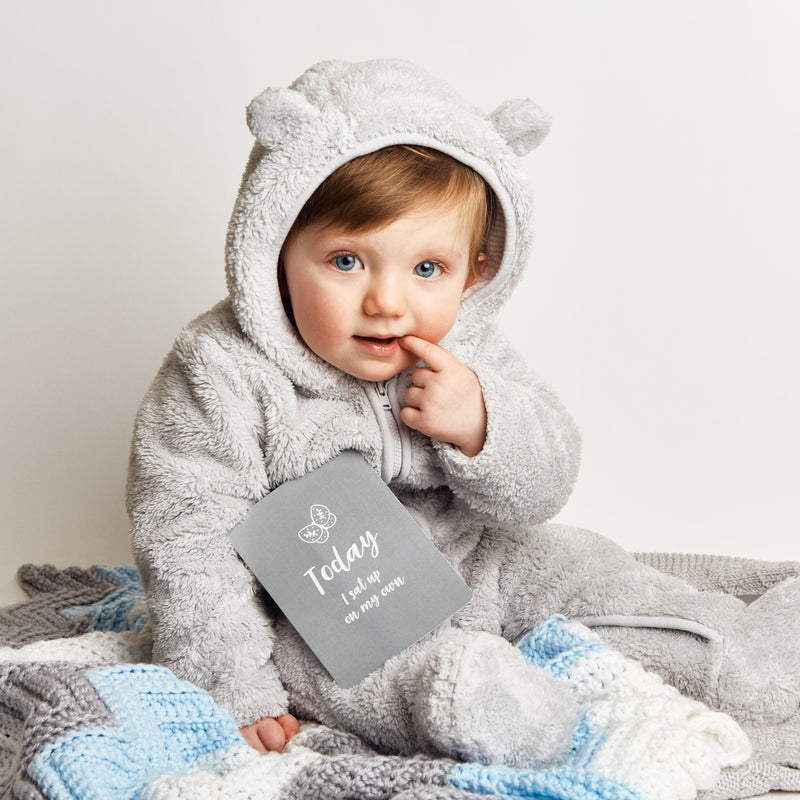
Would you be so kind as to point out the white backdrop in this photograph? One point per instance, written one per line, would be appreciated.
(661, 302)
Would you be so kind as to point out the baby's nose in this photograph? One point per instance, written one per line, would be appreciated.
(385, 298)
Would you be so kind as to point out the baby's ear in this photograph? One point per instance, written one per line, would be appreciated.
(276, 112)
(521, 123)
(476, 271)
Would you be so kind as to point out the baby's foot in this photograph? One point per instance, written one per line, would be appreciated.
(479, 700)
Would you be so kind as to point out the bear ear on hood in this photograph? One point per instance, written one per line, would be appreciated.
(522, 123)
(276, 112)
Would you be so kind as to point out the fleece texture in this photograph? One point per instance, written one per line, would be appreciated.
(241, 405)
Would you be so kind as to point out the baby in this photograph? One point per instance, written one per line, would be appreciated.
(381, 224)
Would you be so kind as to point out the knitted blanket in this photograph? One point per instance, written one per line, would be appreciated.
(84, 715)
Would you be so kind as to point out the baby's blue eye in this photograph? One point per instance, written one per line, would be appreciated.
(427, 269)
(346, 262)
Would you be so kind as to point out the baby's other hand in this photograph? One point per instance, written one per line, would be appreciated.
(269, 733)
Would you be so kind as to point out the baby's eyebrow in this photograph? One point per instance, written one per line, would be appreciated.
(341, 240)
(447, 254)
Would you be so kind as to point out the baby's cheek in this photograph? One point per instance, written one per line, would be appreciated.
(435, 328)
(319, 327)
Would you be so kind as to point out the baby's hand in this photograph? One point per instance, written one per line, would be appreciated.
(446, 400)
(269, 733)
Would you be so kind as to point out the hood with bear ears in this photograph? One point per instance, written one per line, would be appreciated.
(333, 113)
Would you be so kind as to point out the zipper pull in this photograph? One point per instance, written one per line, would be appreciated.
(383, 395)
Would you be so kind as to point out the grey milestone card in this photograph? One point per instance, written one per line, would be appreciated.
(348, 565)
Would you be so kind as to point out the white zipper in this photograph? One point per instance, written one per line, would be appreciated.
(383, 398)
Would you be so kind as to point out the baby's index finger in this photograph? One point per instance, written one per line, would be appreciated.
(433, 355)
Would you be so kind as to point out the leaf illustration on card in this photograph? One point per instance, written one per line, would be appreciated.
(321, 520)
(321, 515)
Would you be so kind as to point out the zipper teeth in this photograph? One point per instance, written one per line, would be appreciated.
(404, 445)
(390, 430)
(397, 454)
(394, 429)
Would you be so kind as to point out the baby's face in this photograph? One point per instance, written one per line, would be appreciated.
(355, 294)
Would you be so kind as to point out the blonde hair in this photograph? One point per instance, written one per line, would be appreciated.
(372, 190)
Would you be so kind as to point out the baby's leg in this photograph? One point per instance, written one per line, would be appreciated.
(461, 694)
(744, 660)
(752, 672)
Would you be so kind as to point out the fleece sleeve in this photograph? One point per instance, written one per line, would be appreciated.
(196, 468)
(529, 462)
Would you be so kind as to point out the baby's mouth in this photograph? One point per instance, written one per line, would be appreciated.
(377, 339)
(379, 345)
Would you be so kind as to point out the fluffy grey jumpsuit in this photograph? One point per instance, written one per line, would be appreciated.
(240, 405)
